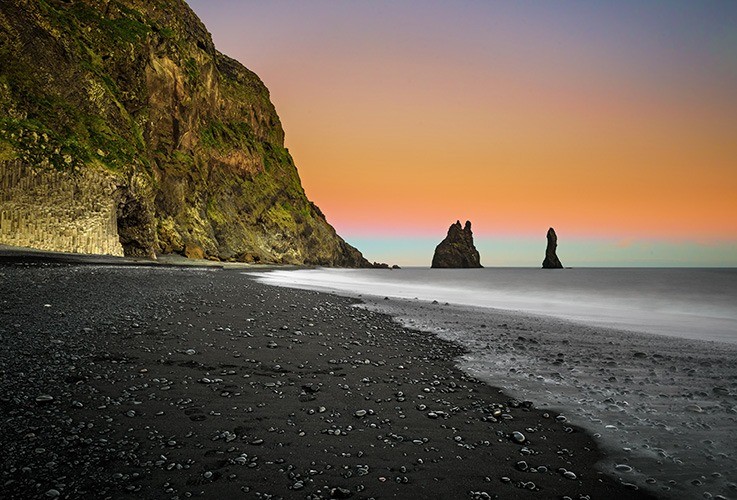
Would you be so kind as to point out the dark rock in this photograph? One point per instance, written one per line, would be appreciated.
(340, 493)
(518, 437)
(551, 259)
(383, 265)
(457, 249)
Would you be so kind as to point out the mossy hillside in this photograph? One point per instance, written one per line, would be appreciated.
(138, 87)
(272, 199)
(45, 122)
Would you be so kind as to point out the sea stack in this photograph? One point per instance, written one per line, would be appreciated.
(457, 249)
(551, 259)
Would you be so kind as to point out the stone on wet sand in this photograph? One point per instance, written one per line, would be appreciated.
(518, 437)
(155, 420)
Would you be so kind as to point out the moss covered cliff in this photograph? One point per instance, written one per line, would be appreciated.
(186, 149)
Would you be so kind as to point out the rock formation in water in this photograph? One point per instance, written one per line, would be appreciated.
(457, 249)
(551, 259)
(124, 131)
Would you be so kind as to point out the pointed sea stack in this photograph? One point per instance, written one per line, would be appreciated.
(457, 249)
(551, 259)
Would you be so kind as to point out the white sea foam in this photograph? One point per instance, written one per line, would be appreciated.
(664, 405)
(690, 303)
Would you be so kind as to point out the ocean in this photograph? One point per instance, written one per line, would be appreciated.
(642, 358)
(689, 303)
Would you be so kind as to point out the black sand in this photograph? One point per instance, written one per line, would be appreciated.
(136, 382)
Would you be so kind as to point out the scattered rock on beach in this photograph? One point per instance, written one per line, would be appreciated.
(233, 420)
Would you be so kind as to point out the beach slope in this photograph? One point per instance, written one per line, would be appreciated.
(145, 382)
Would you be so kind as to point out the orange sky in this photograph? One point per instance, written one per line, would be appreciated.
(401, 118)
(517, 160)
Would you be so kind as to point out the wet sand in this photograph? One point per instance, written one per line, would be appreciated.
(150, 382)
(663, 408)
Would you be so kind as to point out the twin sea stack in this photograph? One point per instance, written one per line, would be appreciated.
(457, 249)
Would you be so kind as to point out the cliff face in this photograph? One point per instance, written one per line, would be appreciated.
(551, 258)
(124, 131)
(457, 249)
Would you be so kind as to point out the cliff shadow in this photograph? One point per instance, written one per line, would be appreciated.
(135, 222)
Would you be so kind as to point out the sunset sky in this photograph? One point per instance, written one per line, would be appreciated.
(614, 122)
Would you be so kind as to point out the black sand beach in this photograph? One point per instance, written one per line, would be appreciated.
(155, 382)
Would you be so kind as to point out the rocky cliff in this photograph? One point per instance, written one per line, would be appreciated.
(457, 249)
(551, 258)
(124, 131)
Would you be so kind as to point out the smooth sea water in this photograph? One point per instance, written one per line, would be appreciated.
(644, 359)
(688, 303)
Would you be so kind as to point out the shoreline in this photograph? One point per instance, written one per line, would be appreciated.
(205, 383)
(11, 255)
(663, 408)
(608, 298)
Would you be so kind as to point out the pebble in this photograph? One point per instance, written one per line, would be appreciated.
(480, 495)
(44, 398)
(264, 384)
(340, 493)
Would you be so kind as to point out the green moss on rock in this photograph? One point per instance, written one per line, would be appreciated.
(191, 135)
